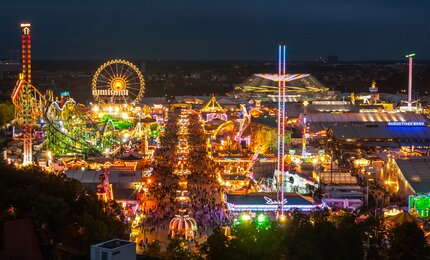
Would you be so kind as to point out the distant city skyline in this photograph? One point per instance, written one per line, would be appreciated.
(218, 30)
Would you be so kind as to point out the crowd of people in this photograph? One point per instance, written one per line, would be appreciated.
(204, 203)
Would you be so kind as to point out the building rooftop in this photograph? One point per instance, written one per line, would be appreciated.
(19, 240)
(365, 117)
(115, 243)
(416, 171)
(89, 176)
(268, 121)
(421, 134)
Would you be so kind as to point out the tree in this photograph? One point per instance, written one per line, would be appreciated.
(217, 245)
(374, 236)
(73, 214)
(7, 112)
(153, 249)
(179, 249)
(407, 241)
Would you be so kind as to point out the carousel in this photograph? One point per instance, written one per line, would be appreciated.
(183, 225)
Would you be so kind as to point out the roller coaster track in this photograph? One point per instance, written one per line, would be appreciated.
(69, 131)
(37, 101)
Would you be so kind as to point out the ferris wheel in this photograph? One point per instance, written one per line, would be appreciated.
(118, 81)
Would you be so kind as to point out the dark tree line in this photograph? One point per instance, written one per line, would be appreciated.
(70, 216)
(317, 236)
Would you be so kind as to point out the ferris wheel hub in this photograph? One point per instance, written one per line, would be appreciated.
(118, 83)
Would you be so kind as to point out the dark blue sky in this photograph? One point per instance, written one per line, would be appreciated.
(218, 29)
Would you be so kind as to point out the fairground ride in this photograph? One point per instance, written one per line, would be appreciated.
(118, 82)
(28, 101)
(71, 131)
(213, 110)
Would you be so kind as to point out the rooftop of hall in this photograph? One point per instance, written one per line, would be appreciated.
(416, 171)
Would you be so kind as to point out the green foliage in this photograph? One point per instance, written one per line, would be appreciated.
(303, 236)
(153, 249)
(407, 241)
(178, 248)
(217, 245)
(73, 214)
(7, 112)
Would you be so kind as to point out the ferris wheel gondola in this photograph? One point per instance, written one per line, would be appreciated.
(119, 82)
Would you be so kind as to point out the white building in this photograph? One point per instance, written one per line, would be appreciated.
(115, 249)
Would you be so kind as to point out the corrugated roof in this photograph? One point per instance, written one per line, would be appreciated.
(365, 117)
(416, 171)
(114, 176)
(421, 134)
(269, 121)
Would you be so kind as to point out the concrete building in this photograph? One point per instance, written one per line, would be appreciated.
(115, 249)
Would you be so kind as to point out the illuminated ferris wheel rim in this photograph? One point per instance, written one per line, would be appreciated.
(113, 81)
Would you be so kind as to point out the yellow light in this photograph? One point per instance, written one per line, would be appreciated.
(95, 108)
(315, 160)
(246, 217)
(118, 83)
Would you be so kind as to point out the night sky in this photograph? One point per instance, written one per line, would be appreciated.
(218, 29)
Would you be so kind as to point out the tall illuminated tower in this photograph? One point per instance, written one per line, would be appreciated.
(282, 78)
(27, 93)
(410, 56)
(305, 128)
(281, 122)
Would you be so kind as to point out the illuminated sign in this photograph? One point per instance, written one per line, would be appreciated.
(269, 207)
(110, 92)
(270, 201)
(420, 205)
(405, 123)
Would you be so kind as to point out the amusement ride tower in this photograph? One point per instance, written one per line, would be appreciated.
(410, 57)
(282, 78)
(28, 101)
(281, 123)
(27, 117)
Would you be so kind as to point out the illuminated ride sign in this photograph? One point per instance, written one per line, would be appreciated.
(265, 203)
(420, 205)
(406, 123)
(110, 92)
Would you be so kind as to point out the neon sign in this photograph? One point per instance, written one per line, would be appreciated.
(406, 123)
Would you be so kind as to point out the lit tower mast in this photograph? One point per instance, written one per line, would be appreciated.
(305, 128)
(410, 56)
(27, 93)
(281, 122)
(282, 79)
